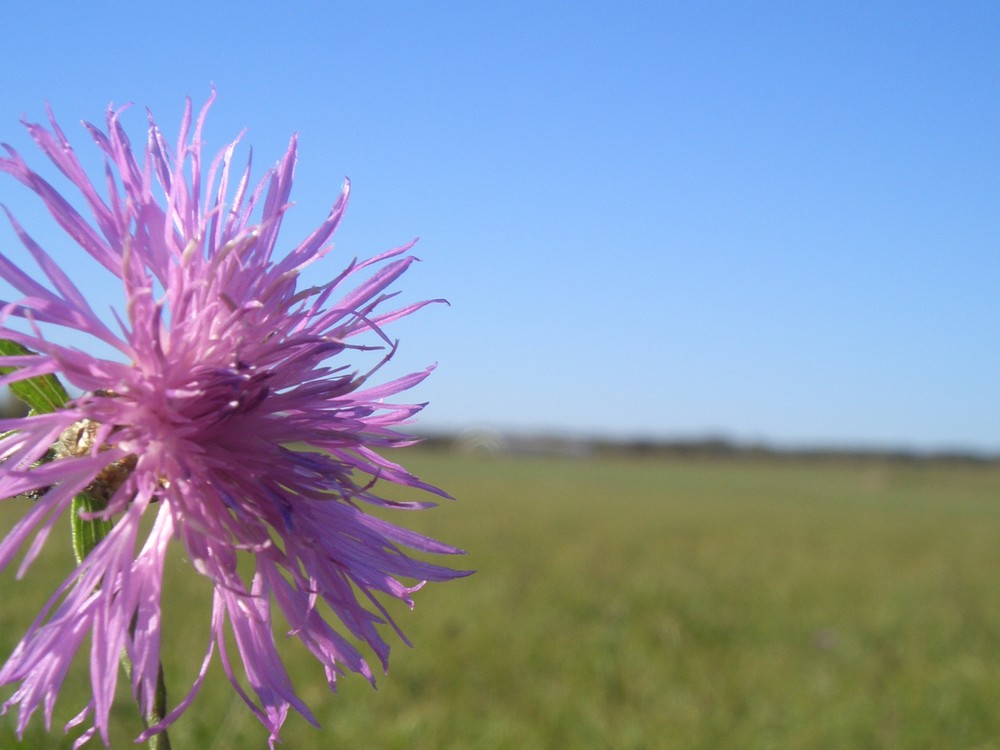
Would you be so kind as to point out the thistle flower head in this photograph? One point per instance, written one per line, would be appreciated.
(231, 413)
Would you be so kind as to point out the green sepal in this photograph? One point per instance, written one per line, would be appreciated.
(43, 394)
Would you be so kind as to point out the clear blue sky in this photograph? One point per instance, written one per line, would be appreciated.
(774, 221)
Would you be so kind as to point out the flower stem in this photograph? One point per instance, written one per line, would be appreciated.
(160, 740)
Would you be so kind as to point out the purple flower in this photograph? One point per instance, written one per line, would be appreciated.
(230, 413)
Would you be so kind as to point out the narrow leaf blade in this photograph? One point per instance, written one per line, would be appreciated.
(87, 532)
(43, 394)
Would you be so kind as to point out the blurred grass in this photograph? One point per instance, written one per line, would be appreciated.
(636, 603)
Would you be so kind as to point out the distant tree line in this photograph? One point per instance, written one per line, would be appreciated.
(704, 448)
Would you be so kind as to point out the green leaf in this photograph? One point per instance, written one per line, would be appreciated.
(87, 532)
(43, 394)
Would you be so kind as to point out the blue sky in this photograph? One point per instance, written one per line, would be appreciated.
(766, 221)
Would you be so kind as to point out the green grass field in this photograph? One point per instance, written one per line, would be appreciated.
(641, 603)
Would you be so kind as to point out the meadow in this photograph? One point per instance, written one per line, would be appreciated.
(631, 603)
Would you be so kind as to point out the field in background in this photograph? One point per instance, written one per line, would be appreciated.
(646, 603)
